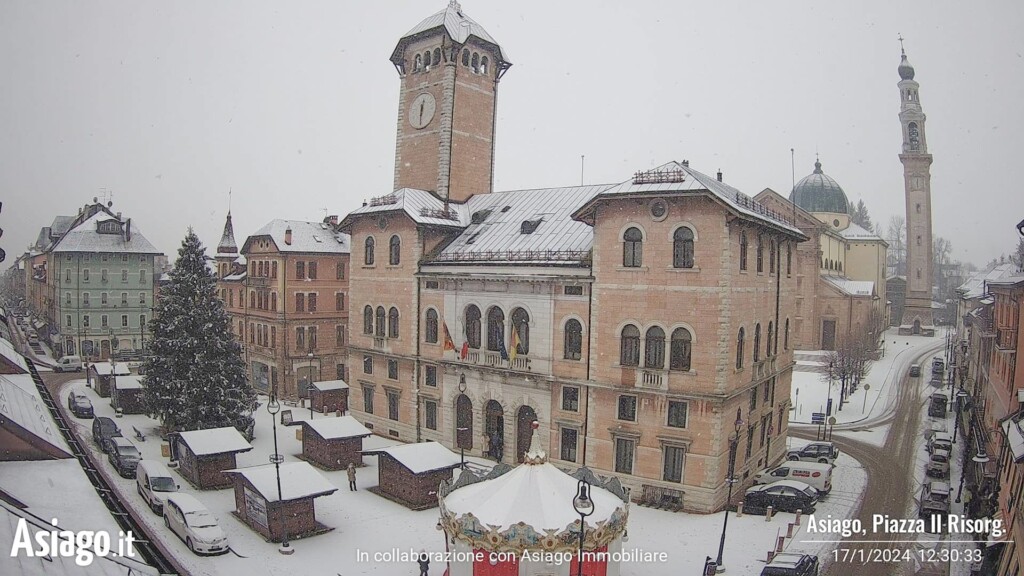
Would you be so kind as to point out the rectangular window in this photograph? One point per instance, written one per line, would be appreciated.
(627, 408)
(85, 321)
(311, 300)
(753, 398)
(567, 450)
(311, 269)
(368, 399)
(103, 276)
(574, 290)
(67, 276)
(142, 276)
(312, 337)
(430, 373)
(124, 320)
(673, 469)
(339, 301)
(367, 364)
(393, 369)
(124, 275)
(432, 284)
(750, 440)
(300, 270)
(300, 302)
(124, 257)
(393, 405)
(677, 413)
(142, 297)
(431, 409)
(341, 371)
(103, 298)
(103, 321)
(85, 299)
(339, 334)
(570, 399)
(300, 338)
(624, 455)
(340, 271)
(85, 275)
(273, 336)
(68, 318)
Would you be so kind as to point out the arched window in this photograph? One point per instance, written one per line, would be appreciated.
(771, 256)
(573, 340)
(417, 63)
(757, 342)
(437, 56)
(483, 65)
(495, 328)
(426, 60)
(682, 248)
(632, 248)
(789, 259)
(395, 250)
(368, 320)
(432, 326)
(739, 349)
(369, 251)
(380, 317)
(785, 341)
(629, 346)
(760, 253)
(521, 327)
(771, 337)
(473, 327)
(743, 250)
(393, 323)
(476, 62)
(465, 57)
(654, 350)
(679, 358)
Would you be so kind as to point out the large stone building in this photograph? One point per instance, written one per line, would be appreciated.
(91, 283)
(287, 298)
(641, 323)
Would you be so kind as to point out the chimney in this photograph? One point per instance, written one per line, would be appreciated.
(686, 163)
(288, 236)
(118, 216)
(332, 219)
(128, 230)
(719, 174)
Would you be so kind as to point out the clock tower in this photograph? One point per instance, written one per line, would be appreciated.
(917, 309)
(449, 68)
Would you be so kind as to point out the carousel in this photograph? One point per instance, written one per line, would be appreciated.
(525, 521)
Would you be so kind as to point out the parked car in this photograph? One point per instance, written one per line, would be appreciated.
(934, 514)
(80, 405)
(814, 474)
(103, 430)
(937, 405)
(69, 364)
(938, 464)
(192, 522)
(824, 452)
(782, 496)
(938, 366)
(124, 456)
(915, 369)
(940, 441)
(936, 491)
(154, 482)
(791, 564)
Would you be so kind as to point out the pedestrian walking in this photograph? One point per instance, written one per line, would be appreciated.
(424, 562)
(351, 471)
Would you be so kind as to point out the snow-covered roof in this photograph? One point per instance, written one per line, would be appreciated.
(227, 245)
(856, 232)
(1008, 280)
(61, 224)
(330, 385)
(298, 480)
(308, 237)
(127, 383)
(421, 457)
(85, 238)
(105, 368)
(678, 177)
(235, 277)
(459, 27)
(335, 428)
(421, 206)
(974, 287)
(215, 441)
(21, 403)
(1014, 436)
(8, 352)
(851, 287)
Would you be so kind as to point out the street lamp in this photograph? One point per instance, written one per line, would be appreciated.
(273, 407)
(831, 374)
(309, 388)
(462, 429)
(980, 458)
(733, 444)
(584, 506)
(960, 396)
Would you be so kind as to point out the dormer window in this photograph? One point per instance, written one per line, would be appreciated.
(529, 226)
(479, 216)
(108, 227)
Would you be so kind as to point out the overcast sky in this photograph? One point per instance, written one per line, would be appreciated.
(168, 105)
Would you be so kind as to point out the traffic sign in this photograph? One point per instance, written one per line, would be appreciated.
(817, 418)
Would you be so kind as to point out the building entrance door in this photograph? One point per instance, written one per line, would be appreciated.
(828, 334)
(524, 430)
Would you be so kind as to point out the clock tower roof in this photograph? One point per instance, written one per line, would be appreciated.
(459, 28)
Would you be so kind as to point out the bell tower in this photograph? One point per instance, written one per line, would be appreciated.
(917, 310)
(449, 68)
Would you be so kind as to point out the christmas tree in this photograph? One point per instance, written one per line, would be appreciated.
(195, 377)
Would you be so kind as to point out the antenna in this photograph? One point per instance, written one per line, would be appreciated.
(792, 195)
(582, 158)
(229, 200)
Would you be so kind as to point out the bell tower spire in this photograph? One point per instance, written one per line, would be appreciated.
(917, 310)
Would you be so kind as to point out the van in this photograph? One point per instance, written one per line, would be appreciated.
(69, 364)
(153, 482)
(915, 370)
(814, 474)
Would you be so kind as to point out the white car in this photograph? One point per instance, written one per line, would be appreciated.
(193, 523)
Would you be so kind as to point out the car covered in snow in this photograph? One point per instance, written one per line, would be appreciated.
(791, 564)
(782, 496)
(938, 464)
(194, 524)
(80, 405)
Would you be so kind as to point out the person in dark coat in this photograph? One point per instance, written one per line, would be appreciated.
(424, 562)
(351, 471)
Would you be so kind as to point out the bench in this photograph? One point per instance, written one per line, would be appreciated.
(139, 435)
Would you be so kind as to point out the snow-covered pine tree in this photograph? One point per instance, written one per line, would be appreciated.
(195, 376)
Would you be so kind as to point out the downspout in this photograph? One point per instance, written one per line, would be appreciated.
(416, 361)
(586, 413)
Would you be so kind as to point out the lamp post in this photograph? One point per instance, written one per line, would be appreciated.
(273, 407)
(309, 388)
(734, 442)
(831, 374)
(980, 458)
(960, 396)
(584, 506)
(461, 429)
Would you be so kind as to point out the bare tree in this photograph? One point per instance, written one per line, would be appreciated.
(896, 236)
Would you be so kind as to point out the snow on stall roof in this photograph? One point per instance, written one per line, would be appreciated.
(532, 493)
(127, 383)
(326, 385)
(334, 428)
(105, 368)
(851, 287)
(298, 480)
(421, 457)
(309, 237)
(85, 238)
(21, 403)
(215, 441)
(7, 350)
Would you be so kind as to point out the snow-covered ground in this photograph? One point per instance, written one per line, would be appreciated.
(364, 522)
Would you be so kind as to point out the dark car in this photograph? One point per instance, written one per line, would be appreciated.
(80, 405)
(103, 430)
(791, 564)
(782, 496)
(937, 405)
(824, 452)
(915, 370)
(124, 456)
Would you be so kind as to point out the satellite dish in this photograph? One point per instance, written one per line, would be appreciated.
(110, 203)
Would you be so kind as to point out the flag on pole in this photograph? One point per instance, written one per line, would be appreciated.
(465, 350)
(515, 345)
(501, 349)
(448, 343)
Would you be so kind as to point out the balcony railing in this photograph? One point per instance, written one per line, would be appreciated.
(654, 379)
(379, 343)
(473, 356)
(492, 359)
(521, 363)
(1006, 339)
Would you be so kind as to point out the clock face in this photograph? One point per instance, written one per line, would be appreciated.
(421, 112)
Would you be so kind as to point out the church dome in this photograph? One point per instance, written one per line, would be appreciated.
(906, 70)
(818, 192)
